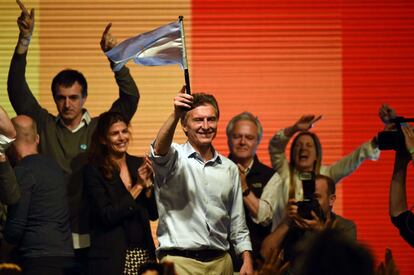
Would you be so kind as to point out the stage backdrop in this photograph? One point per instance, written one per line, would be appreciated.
(277, 59)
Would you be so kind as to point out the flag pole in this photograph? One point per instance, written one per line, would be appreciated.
(185, 62)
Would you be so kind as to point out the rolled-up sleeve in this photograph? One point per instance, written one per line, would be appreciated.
(273, 201)
(269, 200)
(164, 164)
(277, 147)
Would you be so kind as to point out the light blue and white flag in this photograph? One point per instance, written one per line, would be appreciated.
(162, 46)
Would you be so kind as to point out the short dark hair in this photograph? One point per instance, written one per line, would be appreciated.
(67, 78)
(200, 99)
(329, 181)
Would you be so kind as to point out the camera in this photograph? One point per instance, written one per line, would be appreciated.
(305, 208)
(309, 203)
(393, 140)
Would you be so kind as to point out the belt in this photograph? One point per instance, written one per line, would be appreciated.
(205, 255)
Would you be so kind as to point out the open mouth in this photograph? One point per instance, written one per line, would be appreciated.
(303, 156)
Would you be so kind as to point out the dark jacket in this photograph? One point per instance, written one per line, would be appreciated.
(114, 219)
(257, 179)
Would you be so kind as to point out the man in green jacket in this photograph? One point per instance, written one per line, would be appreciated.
(67, 136)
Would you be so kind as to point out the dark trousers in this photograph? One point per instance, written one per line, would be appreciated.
(79, 266)
(45, 265)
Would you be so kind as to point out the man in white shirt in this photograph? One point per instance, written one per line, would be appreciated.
(198, 191)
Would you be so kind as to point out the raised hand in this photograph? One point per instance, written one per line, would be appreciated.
(386, 113)
(108, 41)
(182, 103)
(25, 21)
(306, 122)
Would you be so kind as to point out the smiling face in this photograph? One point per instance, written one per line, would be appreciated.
(117, 138)
(200, 126)
(69, 103)
(243, 140)
(305, 153)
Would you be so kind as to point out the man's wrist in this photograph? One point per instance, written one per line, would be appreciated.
(24, 40)
(246, 255)
(290, 131)
(246, 192)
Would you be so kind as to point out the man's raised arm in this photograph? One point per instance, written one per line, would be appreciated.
(127, 103)
(20, 95)
(182, 103)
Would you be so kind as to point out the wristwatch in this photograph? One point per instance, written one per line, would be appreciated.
(246, 192)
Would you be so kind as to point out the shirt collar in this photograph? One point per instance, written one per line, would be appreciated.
(250, 166)
(190, 152)
(86, 119)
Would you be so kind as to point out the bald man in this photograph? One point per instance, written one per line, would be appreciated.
(39, 223)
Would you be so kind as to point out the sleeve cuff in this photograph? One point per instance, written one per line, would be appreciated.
(264, 216)
(5, 143)
(119, 70)
(371, 152)
(159, 159)
(243, 246)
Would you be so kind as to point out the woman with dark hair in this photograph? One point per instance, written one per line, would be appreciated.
(121, 201)
(305, 156)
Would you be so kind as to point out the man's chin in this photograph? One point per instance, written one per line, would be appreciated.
(206, 141)
(242, 155)
(67, 116)
(203, 142)
(67, 119)
(206, 138)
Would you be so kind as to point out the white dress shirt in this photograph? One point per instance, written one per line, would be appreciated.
(199, 202)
